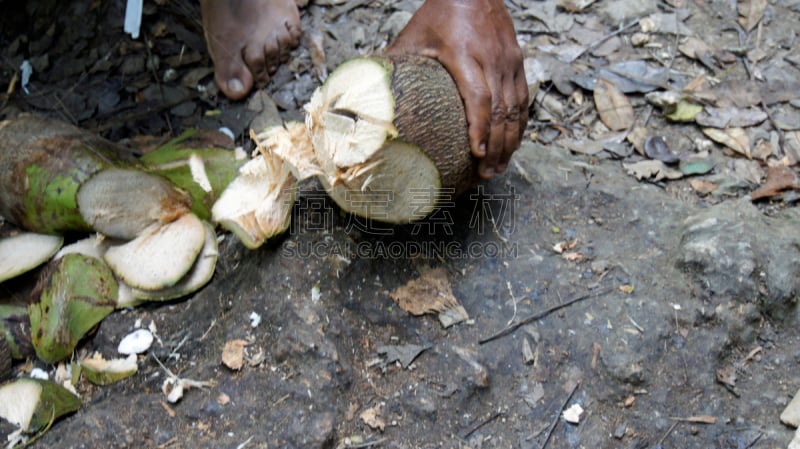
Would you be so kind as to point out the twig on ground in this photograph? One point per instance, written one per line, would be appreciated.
(558, 415)
(477, 426)
(366, 444)
(511, 328)
(608, 36)
(669, 431)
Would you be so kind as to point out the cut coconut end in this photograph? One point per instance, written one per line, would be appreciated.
(198, 276)
(399, 185)
(292, 144)
(123, 203)
(26, 251)
(32, 404)
(100, 371)
(258, 203)
(350, 117)
(160, 256)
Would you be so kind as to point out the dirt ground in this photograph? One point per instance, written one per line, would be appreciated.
(678, 326)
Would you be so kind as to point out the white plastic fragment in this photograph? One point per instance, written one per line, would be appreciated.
(255, 319)
(136, 342)
(573, 414)
(38, 373)
(133, 17)
(26, 70)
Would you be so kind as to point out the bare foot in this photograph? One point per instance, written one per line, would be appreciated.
(248, 40)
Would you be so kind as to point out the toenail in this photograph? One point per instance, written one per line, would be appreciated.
(235, 85)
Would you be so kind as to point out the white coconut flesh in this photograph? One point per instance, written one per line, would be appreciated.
(202, 271)
(19, 400)
(160, 256)
(94, 246)
(399, 186)
(123, 203)
(23, 252)
(257, 204)
(350, 116)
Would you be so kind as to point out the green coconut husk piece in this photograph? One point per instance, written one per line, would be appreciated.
(33, 404)
(15, 329)
(25, 251)
(100, 371)
(201, 169)
(81, 291)
(44, 164)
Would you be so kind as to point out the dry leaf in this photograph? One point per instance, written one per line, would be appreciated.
(694, 48)
(637, 137)
(372, 418)
(736, 139)
(582, 146)
(791, 147)
(778, 180)
(575, 5)
(654, 169)
(730, 117)
(612, 105)
(233, 354)
(703, 187)
(430, 293)
(751, 12)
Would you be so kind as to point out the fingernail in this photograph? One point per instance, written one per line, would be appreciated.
(488, 172)
(235, 85)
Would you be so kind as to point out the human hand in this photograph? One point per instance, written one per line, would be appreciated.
(476, 42)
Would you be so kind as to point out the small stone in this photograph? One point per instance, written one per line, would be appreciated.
(573, 414)
(791, 414)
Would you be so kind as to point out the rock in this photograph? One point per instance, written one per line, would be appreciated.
(795, 443)
(791, 414)
(733, 250)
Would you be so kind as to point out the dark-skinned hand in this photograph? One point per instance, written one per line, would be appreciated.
(476, 42)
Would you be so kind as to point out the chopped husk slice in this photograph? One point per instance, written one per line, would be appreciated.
(202, 271)
(79, 292)
(122, 203)
(26, 251)
(100, 371)
(160, 256)
(32, 404)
